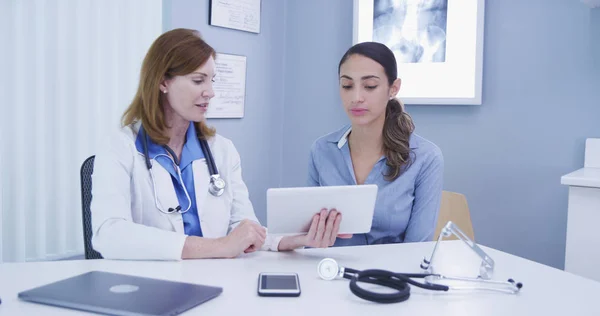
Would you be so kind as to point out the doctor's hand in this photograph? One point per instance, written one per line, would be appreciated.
(247, 237)
(322, 232)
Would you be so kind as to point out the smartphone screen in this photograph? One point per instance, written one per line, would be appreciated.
(278, 284)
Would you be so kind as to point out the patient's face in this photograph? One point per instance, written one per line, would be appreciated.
(364, 90)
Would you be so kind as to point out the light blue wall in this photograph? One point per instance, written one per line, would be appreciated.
(540, 101)
(257, 136)
(595, 37)
(313, 48)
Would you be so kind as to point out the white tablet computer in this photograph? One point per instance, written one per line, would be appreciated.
(290, 210)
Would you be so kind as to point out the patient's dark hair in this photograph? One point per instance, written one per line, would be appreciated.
(398, 125)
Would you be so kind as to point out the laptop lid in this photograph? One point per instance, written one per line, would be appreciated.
(118, 294)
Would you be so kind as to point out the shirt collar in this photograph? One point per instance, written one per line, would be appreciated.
(341, 138)
(191, 149)
(154, 149)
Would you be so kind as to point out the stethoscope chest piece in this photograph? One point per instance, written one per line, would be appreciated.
(328, 269)
(217, 185)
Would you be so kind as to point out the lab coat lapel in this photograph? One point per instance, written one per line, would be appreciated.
(166, 195)
(201, 182)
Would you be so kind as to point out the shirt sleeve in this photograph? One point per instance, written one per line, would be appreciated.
(313, 173)
(426, 205)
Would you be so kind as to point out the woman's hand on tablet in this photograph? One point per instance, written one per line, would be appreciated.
(322, 232)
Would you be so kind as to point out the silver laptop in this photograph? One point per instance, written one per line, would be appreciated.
(118, 294)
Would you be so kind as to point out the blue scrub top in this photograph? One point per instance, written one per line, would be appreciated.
(191, 151)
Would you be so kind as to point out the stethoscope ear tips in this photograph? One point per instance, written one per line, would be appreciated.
(425, 264)
(173, 210)
(519, 285)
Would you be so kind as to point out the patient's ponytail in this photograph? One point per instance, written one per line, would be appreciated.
(397, 128)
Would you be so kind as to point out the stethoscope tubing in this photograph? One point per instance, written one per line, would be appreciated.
(210, 162)
(397, 281)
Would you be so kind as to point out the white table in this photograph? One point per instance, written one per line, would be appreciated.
(546, 291)
(582, 254)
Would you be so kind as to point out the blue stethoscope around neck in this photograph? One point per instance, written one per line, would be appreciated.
(217, 184)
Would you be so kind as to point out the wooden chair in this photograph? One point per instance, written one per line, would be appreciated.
(454, 208)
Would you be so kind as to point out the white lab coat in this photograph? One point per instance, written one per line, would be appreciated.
(126, 223)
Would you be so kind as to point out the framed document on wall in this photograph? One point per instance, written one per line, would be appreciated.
(438, 45)
(241, 15)
(229, 87)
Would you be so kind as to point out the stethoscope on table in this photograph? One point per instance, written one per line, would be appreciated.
(328, 269)
(217, 184)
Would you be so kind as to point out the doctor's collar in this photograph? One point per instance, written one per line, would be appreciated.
(154, 149)
(191, 146)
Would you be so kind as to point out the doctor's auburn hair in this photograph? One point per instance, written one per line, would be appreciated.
(398, 125)
(175, 53)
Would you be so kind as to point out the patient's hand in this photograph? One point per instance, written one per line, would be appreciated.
(322, 232)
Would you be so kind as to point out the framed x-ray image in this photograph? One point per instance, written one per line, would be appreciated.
(438, 45)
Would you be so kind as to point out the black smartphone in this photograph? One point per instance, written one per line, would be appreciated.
(278, 284)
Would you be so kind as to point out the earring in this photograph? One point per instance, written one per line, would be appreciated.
(165, 91)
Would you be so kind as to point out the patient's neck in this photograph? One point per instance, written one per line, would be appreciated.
(366, 139)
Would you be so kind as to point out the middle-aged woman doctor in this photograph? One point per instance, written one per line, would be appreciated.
(165, 186)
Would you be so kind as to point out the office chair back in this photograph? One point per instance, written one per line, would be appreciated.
(87, 168)
(454, 208)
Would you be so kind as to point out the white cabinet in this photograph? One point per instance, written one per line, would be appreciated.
(582, 255)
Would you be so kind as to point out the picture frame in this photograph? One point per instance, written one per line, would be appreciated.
(229, 87)
(438, 46)
(243, 15)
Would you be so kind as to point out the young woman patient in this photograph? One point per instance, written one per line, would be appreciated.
(380, 147)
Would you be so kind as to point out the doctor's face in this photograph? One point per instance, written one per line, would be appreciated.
(188, 95)
(364, 90)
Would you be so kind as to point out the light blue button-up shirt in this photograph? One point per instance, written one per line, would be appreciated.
(191, 151)
(406, 209)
